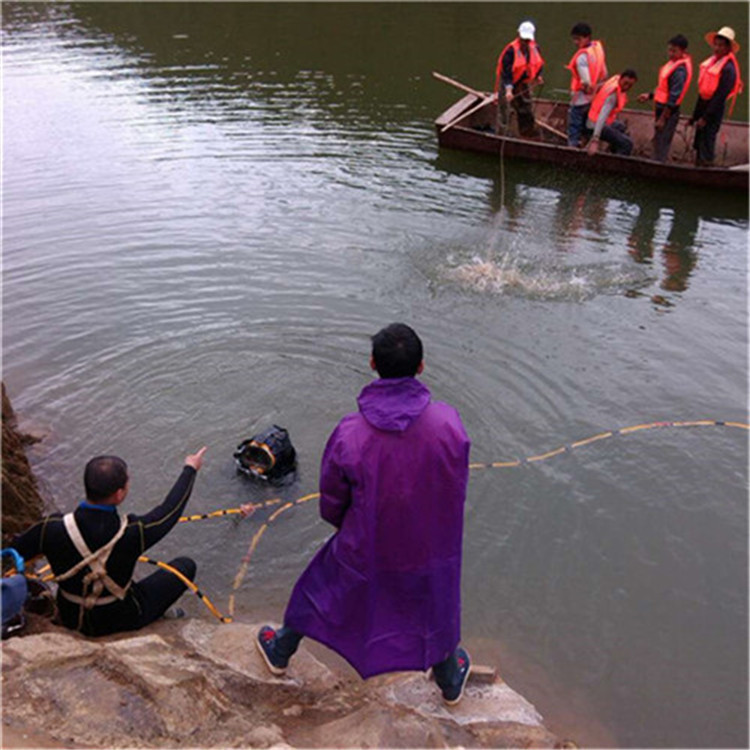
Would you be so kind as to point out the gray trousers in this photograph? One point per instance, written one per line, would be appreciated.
(663, 138)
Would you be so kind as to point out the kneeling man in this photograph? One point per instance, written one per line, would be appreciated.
(93, 551)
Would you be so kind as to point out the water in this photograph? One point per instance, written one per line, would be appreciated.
(209, 209)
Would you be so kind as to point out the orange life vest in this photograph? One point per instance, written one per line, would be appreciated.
(521, 65)
(661, 95)
(613, 84)
(710, 73)
(595, 54)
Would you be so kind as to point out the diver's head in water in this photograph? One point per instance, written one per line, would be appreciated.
(268, 455)
(397, 352)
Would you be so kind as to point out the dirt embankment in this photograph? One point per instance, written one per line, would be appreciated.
(22, 501)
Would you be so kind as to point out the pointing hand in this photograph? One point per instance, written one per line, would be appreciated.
(196, 459)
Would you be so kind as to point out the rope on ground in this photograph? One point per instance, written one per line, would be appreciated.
(211, 608)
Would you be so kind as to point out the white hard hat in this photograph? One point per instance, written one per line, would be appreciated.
(526, 30)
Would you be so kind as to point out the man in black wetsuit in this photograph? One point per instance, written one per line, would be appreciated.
(93, 551)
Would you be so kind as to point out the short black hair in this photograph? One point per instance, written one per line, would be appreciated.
(629, 73)
(397, 351)
(103, 476)
(679, 40)
(581, 29)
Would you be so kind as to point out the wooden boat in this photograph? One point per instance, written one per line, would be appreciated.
(468, 125)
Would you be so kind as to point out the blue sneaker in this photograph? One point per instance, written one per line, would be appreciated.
(266, 643)
(452, 694)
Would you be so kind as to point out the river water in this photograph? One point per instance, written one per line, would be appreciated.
(208, 209)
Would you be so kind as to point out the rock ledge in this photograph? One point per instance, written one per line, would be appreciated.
(192, 683)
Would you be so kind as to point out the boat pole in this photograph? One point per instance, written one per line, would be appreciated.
(457, 84)
(557, 132)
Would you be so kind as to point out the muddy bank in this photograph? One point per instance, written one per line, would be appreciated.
(22, 500)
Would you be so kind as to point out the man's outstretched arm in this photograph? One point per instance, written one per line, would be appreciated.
(157, 523)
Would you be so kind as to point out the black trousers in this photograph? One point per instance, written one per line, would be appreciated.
(619, 141)
(159, 591)
(705, 141)
(147, 600)
(522, 104)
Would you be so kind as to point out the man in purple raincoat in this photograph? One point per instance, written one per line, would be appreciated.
(384, 590)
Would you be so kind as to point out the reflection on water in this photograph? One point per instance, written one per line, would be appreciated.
(583, 222)
(679, 257)
(580, 214)
(579, 222)
(209, 208)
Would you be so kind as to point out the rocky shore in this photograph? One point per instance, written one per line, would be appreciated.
(195, 683)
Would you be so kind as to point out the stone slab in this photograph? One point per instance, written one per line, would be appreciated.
(481, 704)
(233, 645)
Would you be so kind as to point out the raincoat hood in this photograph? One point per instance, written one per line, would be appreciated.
(392, 404)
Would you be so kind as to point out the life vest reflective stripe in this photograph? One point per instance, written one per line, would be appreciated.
(710, 74)
(97, 579)
(661, 95)
(597, 65)
(521, 65)
(612, 85)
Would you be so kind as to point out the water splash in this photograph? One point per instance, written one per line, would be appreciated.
(508, 275)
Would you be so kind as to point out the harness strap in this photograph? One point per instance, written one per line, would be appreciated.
(97, 579)
(80, 600)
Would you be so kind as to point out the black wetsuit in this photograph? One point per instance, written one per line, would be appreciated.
(147, 599)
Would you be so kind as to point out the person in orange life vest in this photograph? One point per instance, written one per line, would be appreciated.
(519, 68)
(588, 68)
(674, 80)
(608, 102)
(718, 80)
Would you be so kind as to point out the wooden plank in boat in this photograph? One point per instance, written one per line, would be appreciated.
(455, 110)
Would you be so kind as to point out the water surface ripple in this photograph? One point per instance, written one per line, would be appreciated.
(208, 209)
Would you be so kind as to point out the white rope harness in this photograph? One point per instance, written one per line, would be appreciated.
(97, 579)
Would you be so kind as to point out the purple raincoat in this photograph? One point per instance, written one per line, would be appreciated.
(384, 590)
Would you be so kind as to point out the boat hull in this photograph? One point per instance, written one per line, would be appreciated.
(475, 132)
